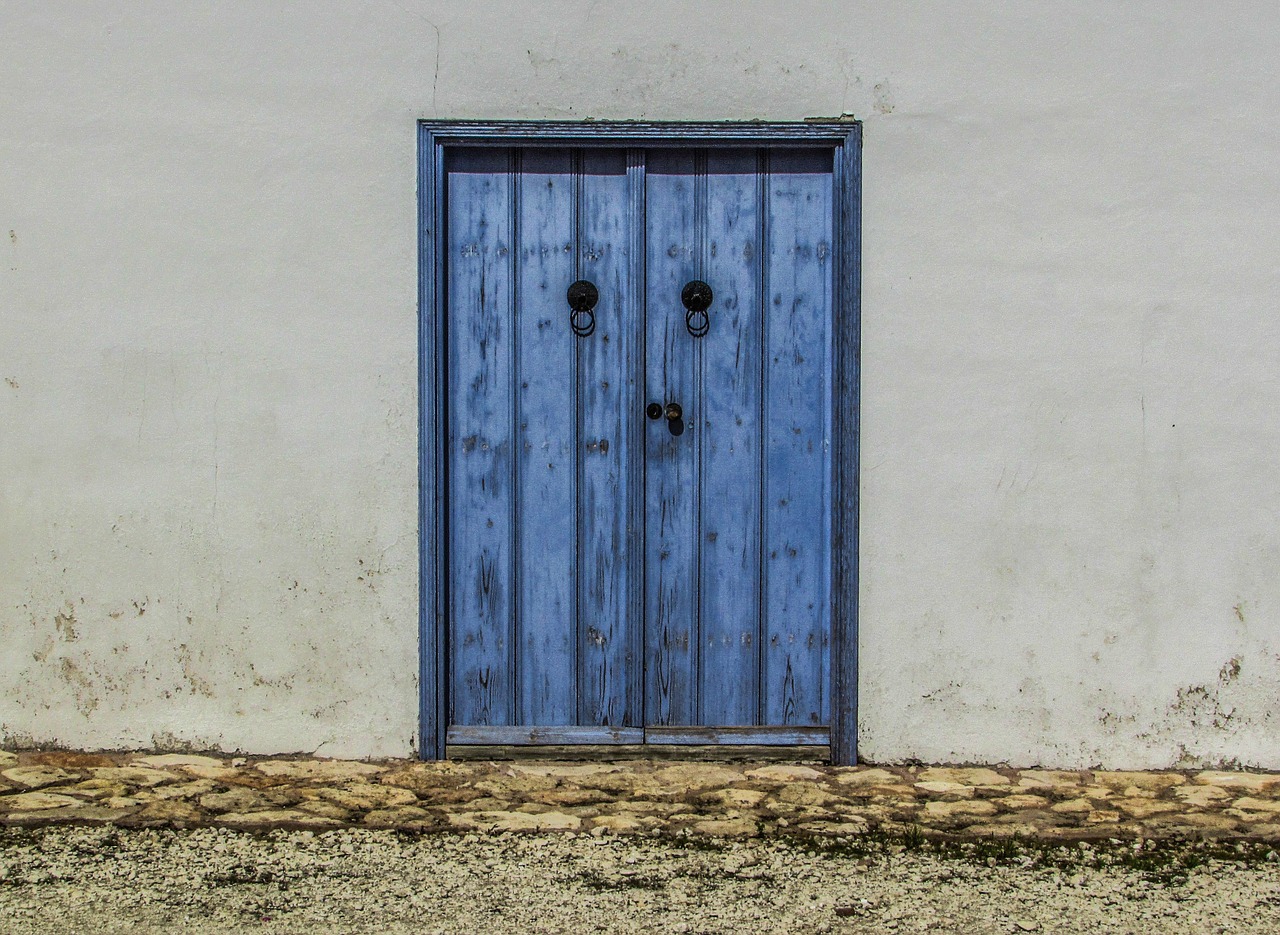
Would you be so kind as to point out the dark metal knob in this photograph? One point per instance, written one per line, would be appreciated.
(583, 296)
(697, 297)
(654, 411)
(674, 411)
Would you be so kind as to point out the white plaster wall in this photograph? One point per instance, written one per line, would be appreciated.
(208, 431)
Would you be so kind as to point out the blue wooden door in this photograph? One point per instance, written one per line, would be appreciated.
(638, 508)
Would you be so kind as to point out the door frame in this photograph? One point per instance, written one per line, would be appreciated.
(435, 138)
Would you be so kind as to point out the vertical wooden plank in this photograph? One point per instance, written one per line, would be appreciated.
(797, 437)
(845, 428)
(670, 599)
(638, 428)
(606, 411)
(545, 460)
(481, 344)
(730, 442)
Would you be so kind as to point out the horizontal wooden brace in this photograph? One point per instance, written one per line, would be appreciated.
(523, 735)
(718, 753)
(735, 736)
(518, 735)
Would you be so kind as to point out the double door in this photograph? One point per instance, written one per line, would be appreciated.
(638, 430)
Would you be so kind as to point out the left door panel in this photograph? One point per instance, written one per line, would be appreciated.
(544, 625)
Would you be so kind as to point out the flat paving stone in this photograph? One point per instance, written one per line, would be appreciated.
(277, 818)
(783, 772)
(364, 796)
(1255, 782)
(37, 801)
(867, 777)
(33, 777)
(143, 776)
(397, 817)
(170, 812)
(515, 821)
(967, 776)
(328, 770)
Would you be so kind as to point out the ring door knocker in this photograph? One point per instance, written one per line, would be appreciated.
(696, 297)
(583, 297)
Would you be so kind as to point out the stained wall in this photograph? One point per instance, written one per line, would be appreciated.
(208, 411)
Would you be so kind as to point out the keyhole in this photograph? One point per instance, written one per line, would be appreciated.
(675, 418)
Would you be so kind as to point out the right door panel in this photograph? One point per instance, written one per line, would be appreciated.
(737, 596)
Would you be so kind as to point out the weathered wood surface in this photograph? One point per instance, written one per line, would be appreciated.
(797, 438)
(672, 259)
(713, 753)
(558, 616)
(536, 735)
(527, 735)
(730, 425)
(481, 313)
(547, 476)
(607, 413)
(845, 422)
(794, 736)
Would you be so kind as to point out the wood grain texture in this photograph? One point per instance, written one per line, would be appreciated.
(527, 735)
(671, 460)
(678, 753)
(794, 736)
(432, 588)
(547, 489)
(481, 348)
(606, 413)
(729, 428)
(846, 409)
(797, 439)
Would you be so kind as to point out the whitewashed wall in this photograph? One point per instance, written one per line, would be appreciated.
(1071, 487)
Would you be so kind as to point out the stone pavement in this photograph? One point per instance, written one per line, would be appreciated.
(636, 796)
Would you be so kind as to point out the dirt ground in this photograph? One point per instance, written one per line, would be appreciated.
(107, 880)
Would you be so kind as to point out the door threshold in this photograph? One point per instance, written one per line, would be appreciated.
(702, 753)
(499, 735)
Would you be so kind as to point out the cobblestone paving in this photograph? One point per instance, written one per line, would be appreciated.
(634, 797)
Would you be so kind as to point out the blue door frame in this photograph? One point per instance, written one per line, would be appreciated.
(843, 139)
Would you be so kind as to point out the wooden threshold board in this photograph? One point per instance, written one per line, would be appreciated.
(703, 753)
(523, 734)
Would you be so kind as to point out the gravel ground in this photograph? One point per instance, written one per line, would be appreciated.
(104, 880)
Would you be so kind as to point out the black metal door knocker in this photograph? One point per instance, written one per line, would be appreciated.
(583, 297)
(697, 299)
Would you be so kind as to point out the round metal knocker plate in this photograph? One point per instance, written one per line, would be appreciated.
(582, 297)
(697, 296)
